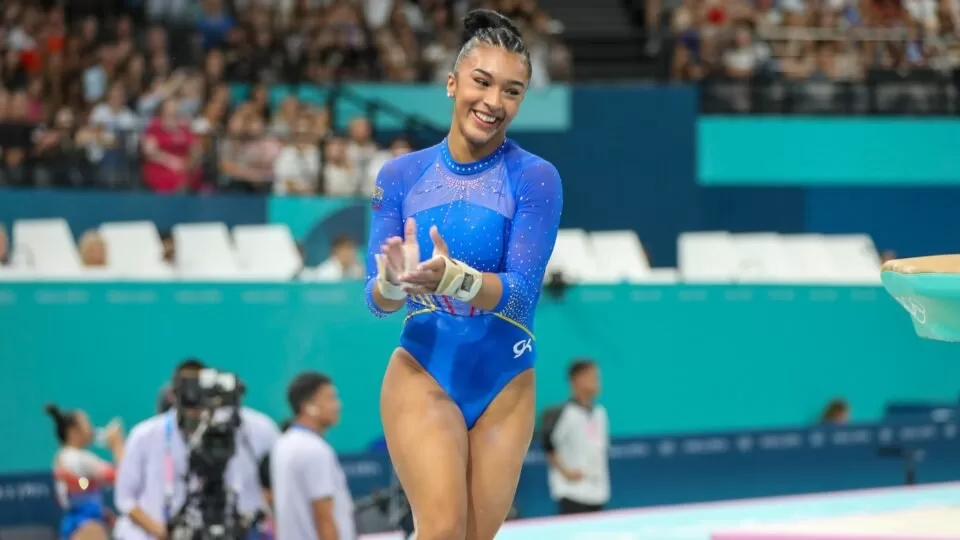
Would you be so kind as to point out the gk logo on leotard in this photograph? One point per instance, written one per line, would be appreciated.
(522, 346)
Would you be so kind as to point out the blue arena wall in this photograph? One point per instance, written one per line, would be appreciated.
(675, 358)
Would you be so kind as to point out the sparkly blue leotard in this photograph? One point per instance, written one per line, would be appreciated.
(500, 214)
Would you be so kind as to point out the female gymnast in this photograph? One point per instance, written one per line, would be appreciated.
(79, 474)
(457, 400)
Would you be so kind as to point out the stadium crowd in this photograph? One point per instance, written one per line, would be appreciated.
(812, 40)
(109, 93)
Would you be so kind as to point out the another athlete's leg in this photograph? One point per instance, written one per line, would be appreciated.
(427, 440)
(498, 445)
(91, 530)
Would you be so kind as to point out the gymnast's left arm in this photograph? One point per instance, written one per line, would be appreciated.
(531, 237)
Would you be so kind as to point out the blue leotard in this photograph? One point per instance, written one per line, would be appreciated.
(501, 215)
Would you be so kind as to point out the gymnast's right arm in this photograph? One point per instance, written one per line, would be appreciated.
(386, 222)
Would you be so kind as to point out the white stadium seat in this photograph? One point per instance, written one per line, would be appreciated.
(46, 248)
(267, 251)
(706, 257)
(572, 256)
(205, 251)
(619, 257)
(134, 250)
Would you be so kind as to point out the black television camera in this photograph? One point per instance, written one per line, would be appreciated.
(208, 413)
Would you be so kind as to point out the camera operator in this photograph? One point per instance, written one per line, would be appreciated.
(257, 429)
(169, 458)
(311, 498)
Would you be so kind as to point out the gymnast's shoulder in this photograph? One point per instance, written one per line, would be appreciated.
(530, 167)
(410, 165)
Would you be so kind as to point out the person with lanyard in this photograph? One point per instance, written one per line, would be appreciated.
(576, 441)
(153, 478)
(310, 494)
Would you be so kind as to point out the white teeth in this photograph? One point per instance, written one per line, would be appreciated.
(485, 117)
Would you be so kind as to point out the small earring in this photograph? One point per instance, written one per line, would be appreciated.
(449, 94)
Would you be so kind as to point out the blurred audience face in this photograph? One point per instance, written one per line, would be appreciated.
(4, 104)
(214, 65)
(254, 127)
(345, 252)
(157, 40)
(93, 251)
(170, 112)
(64, 119)
(19, 106)
(169, 251)
(400, 147)
(303, 133)
(4, 244)
(117, 97)
(487, 89)
(360, 130)
(335, 151)
(89, 29)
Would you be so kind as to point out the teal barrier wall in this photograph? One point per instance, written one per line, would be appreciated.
(675, 358)
(544, 109)
(797, 151)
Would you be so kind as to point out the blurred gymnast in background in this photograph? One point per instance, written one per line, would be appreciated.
(457, 400)
(79, 474)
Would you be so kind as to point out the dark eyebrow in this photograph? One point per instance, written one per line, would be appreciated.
(490, 75)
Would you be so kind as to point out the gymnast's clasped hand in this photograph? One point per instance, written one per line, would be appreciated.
(401, 273)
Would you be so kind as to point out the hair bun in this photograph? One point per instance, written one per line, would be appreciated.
(52, 410)
(479, 20)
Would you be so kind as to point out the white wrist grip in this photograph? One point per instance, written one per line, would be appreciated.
(459, 280)
(388, 290)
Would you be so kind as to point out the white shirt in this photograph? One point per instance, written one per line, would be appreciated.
(581, 441)
(301, 168)
(303, 469)
(123, 122)
(142, 481)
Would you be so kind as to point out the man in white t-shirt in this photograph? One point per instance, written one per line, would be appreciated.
(577, 441)
(310, 494)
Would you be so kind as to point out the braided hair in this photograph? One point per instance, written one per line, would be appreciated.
(487, 27)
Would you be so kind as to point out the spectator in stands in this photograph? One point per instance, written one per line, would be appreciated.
(16, 137)
(286, 118)
(398, 147)
(214, 24)
(343, 263)
(340, 176)
(577, 444)
(745, 57)
(836, 412)
(170, 151)
(361, 150)
(60, 158)
(4, 246)
(169, 248)
(297, 169)
(115, 129)
(93, 250)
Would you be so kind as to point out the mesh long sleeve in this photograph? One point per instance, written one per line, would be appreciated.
(532, 235)
(386, 221)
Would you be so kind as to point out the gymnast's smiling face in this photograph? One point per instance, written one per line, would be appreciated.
(487, 89)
